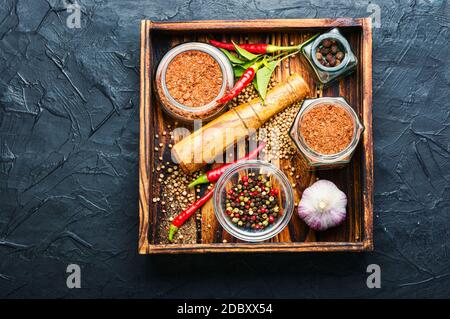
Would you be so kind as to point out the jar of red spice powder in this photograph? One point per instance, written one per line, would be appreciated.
(326, 131)
(189, 80)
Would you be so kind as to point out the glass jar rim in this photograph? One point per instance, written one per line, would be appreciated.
(246, 235)
(357, 129)
(216, 54)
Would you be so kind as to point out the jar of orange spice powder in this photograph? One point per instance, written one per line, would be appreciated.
(326, 131)
(189, 80)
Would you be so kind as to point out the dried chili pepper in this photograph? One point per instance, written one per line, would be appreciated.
(259, 48)
(244, 80)
(188, 212)
(255, 48)
(214, 174)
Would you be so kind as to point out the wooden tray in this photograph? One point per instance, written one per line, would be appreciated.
(356, 179)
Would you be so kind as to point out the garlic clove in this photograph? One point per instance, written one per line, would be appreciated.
(323, 205)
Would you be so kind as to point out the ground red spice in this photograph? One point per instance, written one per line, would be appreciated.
(327, 129)
(194, 78)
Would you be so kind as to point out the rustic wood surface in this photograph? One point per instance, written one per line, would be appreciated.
(356, 179)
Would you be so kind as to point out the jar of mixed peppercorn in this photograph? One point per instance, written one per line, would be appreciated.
(253, 201)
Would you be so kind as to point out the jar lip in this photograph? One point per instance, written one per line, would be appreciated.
(338, 37)
(327, 158)
(216, 54)
(243, 234)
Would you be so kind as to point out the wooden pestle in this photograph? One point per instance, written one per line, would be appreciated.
(210, 141)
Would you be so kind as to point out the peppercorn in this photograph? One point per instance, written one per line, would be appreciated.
(334, 49)
(326, 43)
(324, 51)
(332, 61)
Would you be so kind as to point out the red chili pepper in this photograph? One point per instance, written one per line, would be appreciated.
(188, 212)
(258, 48)
(255, 48)
(214, 174)
(244, 80)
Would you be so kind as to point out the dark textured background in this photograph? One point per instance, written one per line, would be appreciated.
(69, 157)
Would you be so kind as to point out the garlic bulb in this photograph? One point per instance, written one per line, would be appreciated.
(322, 205)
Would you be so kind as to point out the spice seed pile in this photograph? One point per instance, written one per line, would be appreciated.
(249, 93)
(174, 195)
(275, 133)
(175, 198)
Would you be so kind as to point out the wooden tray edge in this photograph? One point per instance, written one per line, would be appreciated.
(144, 157)
(144, 182)
(259, 248)
(368, 133)
(255, 25)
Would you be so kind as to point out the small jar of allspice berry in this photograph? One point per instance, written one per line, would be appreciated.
(330, 57)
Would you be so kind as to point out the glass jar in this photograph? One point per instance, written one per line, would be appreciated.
(325, 75)
(285, 197)
(325, 161)
(188, 113)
